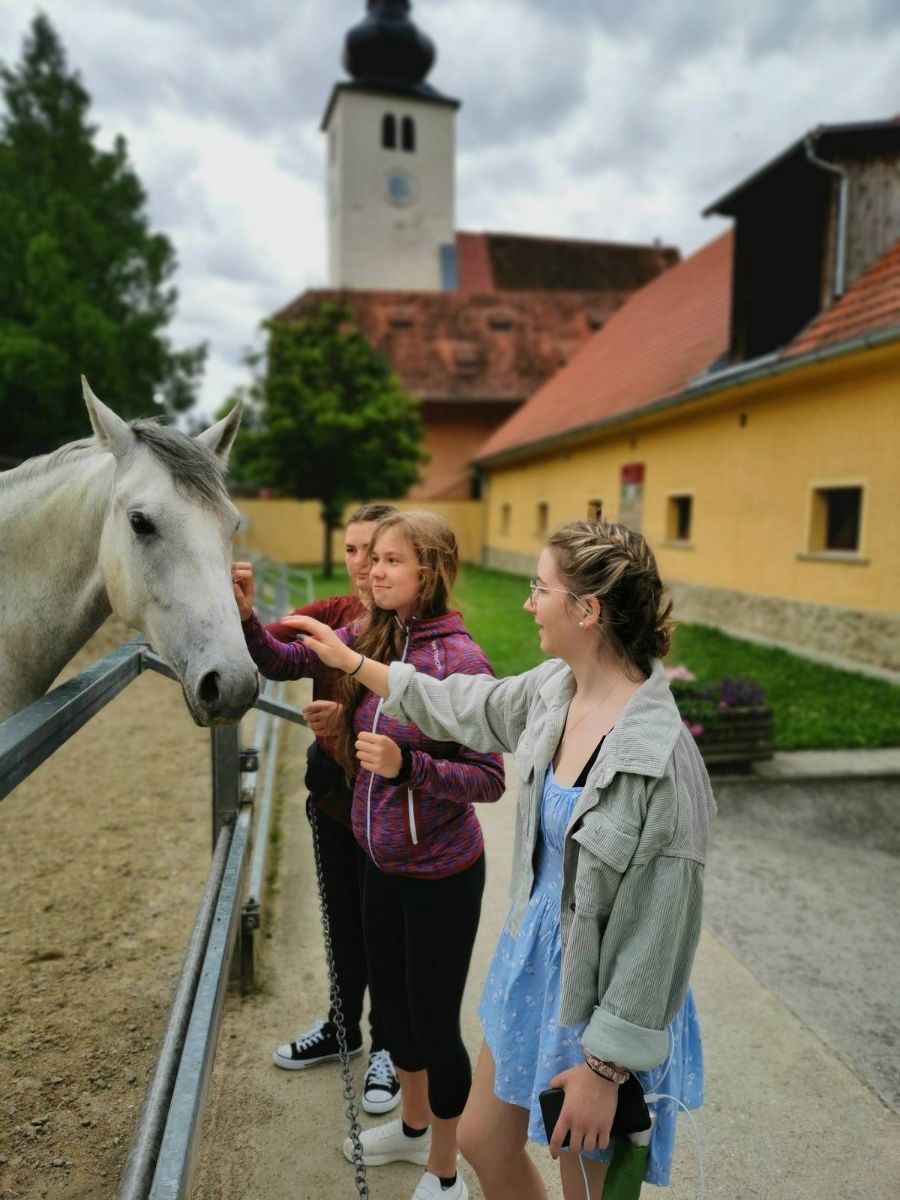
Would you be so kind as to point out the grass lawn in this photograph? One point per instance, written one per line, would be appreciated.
(816, 707)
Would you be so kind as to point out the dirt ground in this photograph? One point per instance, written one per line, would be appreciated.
(103, 856)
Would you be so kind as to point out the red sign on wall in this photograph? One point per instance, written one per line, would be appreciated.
(631, 495)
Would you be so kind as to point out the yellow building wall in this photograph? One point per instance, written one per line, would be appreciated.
(751, 460)
(290, 531)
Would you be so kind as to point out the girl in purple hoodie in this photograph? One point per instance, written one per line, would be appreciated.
(412, 814)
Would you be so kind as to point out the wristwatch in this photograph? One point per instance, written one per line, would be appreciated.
(611, 1071)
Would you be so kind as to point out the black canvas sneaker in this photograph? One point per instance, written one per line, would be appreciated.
(318, 1045)
(381, 1087)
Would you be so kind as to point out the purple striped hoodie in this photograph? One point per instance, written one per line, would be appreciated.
(425, 827)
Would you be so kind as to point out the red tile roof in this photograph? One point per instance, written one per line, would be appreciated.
(473, 263)
(667, 334)
(447, 346)
(496, 262)
(870, 305)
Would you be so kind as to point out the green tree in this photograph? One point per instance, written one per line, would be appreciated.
(327, 420)
(85, 286)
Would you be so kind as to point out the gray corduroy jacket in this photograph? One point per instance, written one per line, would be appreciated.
(635, 847)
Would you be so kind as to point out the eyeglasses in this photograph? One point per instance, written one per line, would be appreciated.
(534, 586)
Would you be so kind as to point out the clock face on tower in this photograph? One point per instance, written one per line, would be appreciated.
(401, 188)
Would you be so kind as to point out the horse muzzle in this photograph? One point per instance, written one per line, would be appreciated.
(220, 698)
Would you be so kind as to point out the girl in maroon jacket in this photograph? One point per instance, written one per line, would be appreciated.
(412, 814)
(342, 860)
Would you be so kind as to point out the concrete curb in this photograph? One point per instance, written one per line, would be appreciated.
(818, 766)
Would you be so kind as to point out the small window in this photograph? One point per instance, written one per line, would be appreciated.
(449, 273)
(543, 517)
(680, 517)
(401, 318)
(409, 135)
(468, 358)
(505, 517)
(836, 519)
(501, 321)
(389, 131)
(595, 510)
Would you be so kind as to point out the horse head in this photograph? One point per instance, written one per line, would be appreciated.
(165, 555)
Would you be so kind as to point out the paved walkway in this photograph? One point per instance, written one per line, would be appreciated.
(786, 1117)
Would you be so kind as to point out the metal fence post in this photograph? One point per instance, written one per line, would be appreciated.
(226, 776)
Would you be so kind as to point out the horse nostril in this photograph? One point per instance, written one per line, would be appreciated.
(209, 688)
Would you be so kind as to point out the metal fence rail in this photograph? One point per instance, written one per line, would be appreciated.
(151, 1122)
(175, 1164)
(161, 1157)
(29, 737)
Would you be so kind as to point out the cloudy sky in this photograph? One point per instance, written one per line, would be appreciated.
(607, 119)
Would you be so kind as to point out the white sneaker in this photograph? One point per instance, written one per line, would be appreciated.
(430, 1189)
(388, 1143)
(381, 1087)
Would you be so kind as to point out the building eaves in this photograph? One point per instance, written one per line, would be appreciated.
(706, 385)
(374, 87)
(823, 137)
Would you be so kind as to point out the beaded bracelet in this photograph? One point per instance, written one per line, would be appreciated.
(610, 1071)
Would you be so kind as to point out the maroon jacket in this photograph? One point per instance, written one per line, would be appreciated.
(425, 827)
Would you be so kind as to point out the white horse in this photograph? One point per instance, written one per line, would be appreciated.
(135, 521)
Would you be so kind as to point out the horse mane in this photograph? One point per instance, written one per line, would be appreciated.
(194, 469)
(44, 463)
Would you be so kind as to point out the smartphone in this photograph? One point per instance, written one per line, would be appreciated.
(632, 1113)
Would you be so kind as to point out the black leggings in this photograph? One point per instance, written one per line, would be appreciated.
(419, 938)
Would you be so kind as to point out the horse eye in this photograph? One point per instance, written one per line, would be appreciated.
(140, 524)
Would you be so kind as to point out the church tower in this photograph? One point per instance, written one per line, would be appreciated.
(391, 147)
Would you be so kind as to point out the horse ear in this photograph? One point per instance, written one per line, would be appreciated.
(112, 432)
(220, 436)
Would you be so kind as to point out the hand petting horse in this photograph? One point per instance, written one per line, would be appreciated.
(135, 521)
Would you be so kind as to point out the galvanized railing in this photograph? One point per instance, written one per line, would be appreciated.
(161, 1158)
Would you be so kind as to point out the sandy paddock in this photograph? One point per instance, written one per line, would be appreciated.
(103, 856)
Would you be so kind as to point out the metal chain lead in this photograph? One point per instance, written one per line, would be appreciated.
(349, 1093)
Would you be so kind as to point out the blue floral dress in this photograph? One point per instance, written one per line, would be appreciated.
(520, 1002)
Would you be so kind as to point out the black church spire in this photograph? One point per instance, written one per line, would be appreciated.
(387, 49)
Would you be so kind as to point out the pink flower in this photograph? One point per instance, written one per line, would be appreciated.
(694, 728)
(723, 704)
(680, 672)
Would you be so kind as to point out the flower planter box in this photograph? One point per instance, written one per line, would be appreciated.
(738, 735)
(729, 719)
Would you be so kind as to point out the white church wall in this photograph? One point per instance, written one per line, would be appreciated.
(390, 211)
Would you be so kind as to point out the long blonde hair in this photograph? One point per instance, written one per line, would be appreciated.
(437, 557)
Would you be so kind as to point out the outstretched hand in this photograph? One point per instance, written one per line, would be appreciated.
(323, 641)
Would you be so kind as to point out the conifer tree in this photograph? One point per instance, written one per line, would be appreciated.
(85, 285)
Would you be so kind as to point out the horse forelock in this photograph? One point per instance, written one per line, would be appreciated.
(194, 468)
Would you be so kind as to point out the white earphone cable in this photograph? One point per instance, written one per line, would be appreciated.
(652, 1098)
